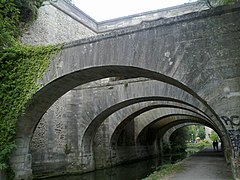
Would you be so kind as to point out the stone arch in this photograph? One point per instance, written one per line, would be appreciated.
(96, 122)
(164, 131)
(141, 151)
(165, 128)
(99, 100)
(171, 130)
(129, 118)
(100, 149)
(124, 106)
(158, 50)
(166, 136)
(48, 94)
(172, 120)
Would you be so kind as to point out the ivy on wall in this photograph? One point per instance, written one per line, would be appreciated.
(20, 67)
(215, 3)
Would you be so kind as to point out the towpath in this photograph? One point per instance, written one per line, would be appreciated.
(205, 165)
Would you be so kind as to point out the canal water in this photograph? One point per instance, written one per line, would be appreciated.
(132, 171)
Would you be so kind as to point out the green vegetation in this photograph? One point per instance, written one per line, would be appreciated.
(20, 67)
(13, 15)
(178, 140)
(195, 131)
(196, 147)
(185, 134)
(214, 3)
(180, 145)
(165, 170)
(214, 136)
(183, 140)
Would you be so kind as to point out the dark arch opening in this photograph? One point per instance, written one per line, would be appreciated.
(96, 122)
(132, 116)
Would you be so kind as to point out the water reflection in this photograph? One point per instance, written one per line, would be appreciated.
(133, 171)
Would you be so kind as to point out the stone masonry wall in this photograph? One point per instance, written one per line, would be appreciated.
(53, 26)
(49, 143)
(56, 137)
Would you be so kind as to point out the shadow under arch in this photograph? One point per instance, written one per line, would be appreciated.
(182, 123)
(157, 124)
(97, 121)
(176, 127)
(159, 133)
(48, 94)
(117, 131)
(165, 128)
(171, 130)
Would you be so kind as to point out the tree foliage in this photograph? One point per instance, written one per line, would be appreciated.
(28, 9)
(9, 20)
(214, 3)
(201, 132)
(179, 139)
(14, 13)
(214, 136)
(195, 131)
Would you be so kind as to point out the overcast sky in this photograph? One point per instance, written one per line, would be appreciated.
(108, 9)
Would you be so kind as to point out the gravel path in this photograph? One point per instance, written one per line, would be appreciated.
(206, 165)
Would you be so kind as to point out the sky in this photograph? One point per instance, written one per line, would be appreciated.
(101, 10)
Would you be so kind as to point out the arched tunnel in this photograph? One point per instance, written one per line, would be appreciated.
(173, 71)
(106, 123)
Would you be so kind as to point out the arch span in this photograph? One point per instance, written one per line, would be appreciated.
(162, 124)
(170, 131)
(46, 96)
(131, 117)
(99, 119)
(169, 50)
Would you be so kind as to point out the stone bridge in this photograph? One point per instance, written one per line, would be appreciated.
(162, 73)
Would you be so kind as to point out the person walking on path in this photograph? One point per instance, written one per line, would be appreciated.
(214, 145)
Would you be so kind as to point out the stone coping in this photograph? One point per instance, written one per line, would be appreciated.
(126, 21)
(146, 25)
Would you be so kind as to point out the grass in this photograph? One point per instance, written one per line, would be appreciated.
(164, 171)
(196, 147)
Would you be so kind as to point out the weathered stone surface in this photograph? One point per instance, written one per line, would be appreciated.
(53, 26)
(89, 103)
(195, 55)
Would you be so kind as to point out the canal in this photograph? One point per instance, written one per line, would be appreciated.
(132, 171)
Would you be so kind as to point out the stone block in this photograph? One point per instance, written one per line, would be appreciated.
(3, 175)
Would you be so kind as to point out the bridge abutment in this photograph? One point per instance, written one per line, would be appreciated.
(21, 160)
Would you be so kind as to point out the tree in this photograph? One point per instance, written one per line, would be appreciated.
(178, 140)
(195, 131)
(13, 14)
(201, 132)
(214, 3)
(191, 131)
(214, 136)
